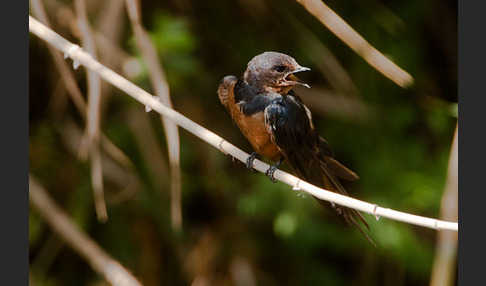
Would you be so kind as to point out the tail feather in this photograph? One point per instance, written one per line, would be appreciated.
(338, 169)
(317, 172)
(342, 191)
(349, 215)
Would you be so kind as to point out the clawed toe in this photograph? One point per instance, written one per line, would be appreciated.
(272, 170)
(249, 161)
(270, 173)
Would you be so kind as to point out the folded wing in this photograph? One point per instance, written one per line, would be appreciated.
(290, 126)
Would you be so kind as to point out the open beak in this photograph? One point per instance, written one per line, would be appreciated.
(291, 79)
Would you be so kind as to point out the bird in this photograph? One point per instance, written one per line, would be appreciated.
(279, 126)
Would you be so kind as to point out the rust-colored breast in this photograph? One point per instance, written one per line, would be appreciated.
(252, 127)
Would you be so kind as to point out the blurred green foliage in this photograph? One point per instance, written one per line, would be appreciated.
(400, 153)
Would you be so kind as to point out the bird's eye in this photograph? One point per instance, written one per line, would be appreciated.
(280, 68)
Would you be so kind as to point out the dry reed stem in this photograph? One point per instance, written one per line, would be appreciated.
(161, 87)
(94, 82)
(110, 26)
(323, 58)
(100, 261)
(356, 42)
(64, 71)
(110, 22)
(325, 101)
(91, 141)
(127, 180)
(47, 254)
(74, 91)
(443, 270)
(139, 124)
(108, 50)
(216, 141)
(58, 101)
(97, 183)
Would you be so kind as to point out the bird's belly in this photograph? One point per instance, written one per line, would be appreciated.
(253, 127)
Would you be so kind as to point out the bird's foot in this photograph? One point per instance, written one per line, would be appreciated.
(249, 161)
(270, 171)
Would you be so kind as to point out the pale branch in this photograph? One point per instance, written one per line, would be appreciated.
(356, 42)
(76, 53)
(100, 261)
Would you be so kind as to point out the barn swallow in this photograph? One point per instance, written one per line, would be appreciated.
(279, 126)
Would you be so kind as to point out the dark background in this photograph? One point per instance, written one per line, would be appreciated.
(397, 140)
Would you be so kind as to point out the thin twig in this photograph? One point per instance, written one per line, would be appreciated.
(99, 260)
(356, 42)
(161, 87)
(91, 140)
(443, 271)
(216, 141)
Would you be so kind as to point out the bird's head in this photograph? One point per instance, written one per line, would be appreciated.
(272, 71)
